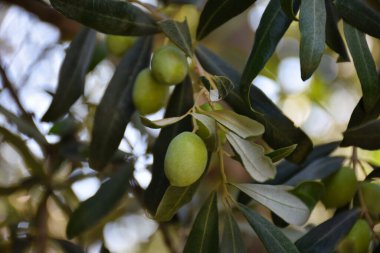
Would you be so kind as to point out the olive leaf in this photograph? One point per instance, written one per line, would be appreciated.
(111, 16)
(219, 86)
(204, 234)
(284, 204)
(116, 107)
(312, 27)
(239, 124)
(273, 239)
(364, 65)
(288, 7)
(207, 122)
(258, 166)
(309, 192)
(72, 74)
(161, 122)
(281, 153)
(366, 136)
(232, 240)
(179, 34)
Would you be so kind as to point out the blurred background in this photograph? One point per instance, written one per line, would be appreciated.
(33, 40)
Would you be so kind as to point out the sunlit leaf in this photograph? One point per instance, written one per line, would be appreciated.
(364, 65)
(312, 27)
(366, 136)
(217, 12)
(161, 122)
(281, 153)
(116, 107)
(179, 34)
(325, 237)
(204, 235)
(232, 240)
(91, 211)
(273, 239)
(72, 74)
(207, 122)
(111, 16)
(259, 166)
(281, 202)
(239, 124)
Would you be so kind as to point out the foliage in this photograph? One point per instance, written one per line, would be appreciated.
(286, 172)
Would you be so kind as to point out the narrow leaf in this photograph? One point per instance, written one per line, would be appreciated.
(282, 203)
(333, 38)
(204, 235)
(232, 240)
(312, 28)
(325, 237)
(68, 246)
(364, 65)
(161, 122)
(281, 153)
(366, 136)
(320, 168)
(288, 7)
(111, 16)
(207, 122)
(360, 14)
(360, 116)
(309, 192)
(259, 166)
(180, 103)
(219, 87)
(116, 107)
(91, 211)
(72, 74)
(239, 124)
(217, 12)
(273, 239)
(272, 27)
(179, 34)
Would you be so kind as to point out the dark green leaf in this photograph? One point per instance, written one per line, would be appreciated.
(320, 168)
(275, 122)
(69, 247)
(72, 74)
(111, 16)
(364, 65)
(100, 53)
(180, 103)
(232, 240)
(91, 211)
(360, 14)
(359, 116)
(272, 27)
(312, 27)
(288, 7)
(204, 235)
(278, 154)
(325, 237)
(217, 12)
(366, 136)
(179, 34)
(273, 239)
(173, 199)
(333, 38)
(116, 107)
(309, 192)
(278, 200)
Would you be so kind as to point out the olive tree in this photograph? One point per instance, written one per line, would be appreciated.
(212, 113)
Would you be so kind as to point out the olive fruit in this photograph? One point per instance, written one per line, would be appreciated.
(169, 65)
(358, 239)
(185, 159)
(148, 95)
(118, 45)
(340, 188)
(371, 196)
(191, 14)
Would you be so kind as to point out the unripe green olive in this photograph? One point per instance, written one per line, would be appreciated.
(191, 14)
(340, 188)
(371, 196)
(358, 239)
(169, 65)
(185, 159)
(148, 95)
(118, 45)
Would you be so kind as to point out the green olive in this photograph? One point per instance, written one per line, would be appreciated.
(169, 65)
(148, 95)
(185, 159)
(371, 196)
(202, 130)
(191, 14)
(358, 239)
(118, 45)
(340, 188)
